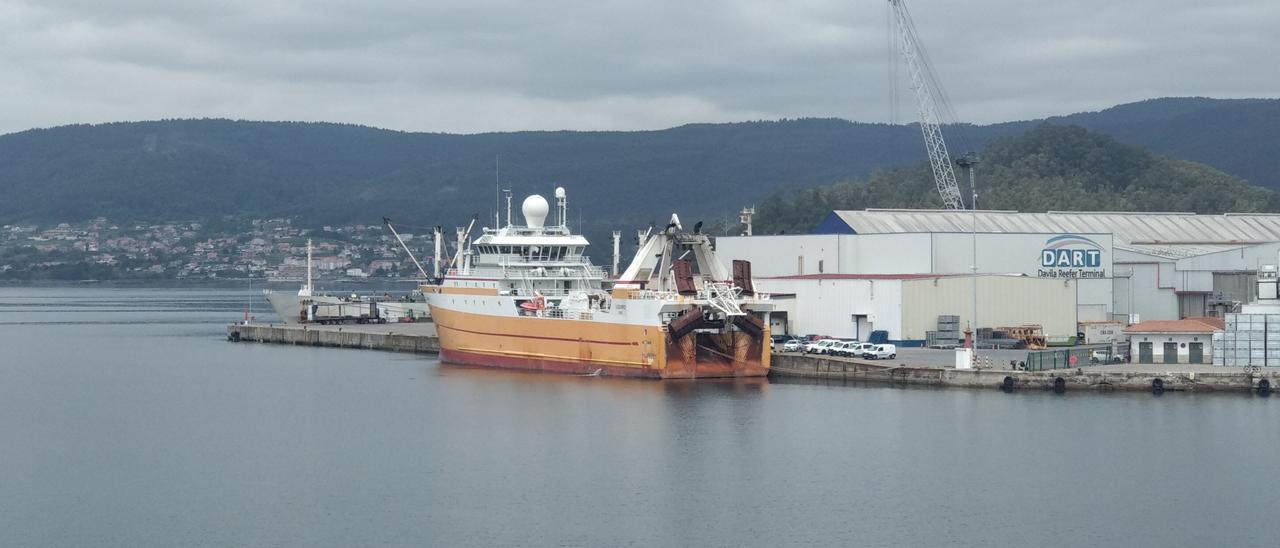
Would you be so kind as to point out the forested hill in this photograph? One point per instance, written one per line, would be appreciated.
(1048, 168)
(329, 173)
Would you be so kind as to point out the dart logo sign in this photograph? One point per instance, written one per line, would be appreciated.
(1071, 256)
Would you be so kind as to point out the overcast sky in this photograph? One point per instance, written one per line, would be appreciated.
(480, 65)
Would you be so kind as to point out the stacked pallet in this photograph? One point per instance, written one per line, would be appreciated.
(947, 335)
(1249, 340)
(1031, 335)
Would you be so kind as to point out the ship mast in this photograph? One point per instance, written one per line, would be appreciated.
(307, 289)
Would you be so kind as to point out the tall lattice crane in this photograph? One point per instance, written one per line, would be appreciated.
(926, 89)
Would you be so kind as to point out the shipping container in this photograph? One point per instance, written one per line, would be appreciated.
(1101, 332)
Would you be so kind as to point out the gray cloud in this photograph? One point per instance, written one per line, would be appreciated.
(611, 64)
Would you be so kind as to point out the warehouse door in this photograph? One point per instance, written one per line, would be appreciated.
(1197, 352)
(1170, 352)
(1144, 353)
(861, 327)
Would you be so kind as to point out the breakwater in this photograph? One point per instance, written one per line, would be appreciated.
(408, 337)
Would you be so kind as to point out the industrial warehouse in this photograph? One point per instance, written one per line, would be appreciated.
(897, 270)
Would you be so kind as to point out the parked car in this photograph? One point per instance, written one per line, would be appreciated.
(792, 345)
(840, 348)
(819, 347)
(881, 352)
(1104, 356)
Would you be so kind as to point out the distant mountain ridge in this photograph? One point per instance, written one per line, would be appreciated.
(1040, 170)
(332, 173)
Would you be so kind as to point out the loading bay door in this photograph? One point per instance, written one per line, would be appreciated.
(1196, 350)
(1144, 353)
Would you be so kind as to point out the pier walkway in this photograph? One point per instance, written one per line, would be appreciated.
(1137, 377)
(417, 337)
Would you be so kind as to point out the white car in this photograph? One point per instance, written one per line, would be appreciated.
(820, 346)
(881, 352)
(792, 345)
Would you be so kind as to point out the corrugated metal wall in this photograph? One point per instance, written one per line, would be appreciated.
(1236, 286)
(1002, 301)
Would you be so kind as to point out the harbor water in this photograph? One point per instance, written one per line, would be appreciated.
(126, 419)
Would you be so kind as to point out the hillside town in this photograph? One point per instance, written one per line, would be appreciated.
(272, 249)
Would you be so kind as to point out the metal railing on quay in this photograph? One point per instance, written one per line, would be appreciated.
(1069, 358)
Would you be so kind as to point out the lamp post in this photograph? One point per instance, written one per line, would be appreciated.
(968, 161)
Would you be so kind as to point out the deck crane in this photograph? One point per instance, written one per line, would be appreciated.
(925, 86)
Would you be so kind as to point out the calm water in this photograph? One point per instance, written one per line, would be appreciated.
(126, 419)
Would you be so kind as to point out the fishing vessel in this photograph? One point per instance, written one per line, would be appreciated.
(291, 306)
(528, 297)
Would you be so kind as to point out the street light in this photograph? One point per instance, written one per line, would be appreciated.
(968, 161)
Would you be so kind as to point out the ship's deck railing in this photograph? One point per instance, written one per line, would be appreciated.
(550, 292)
(709, 292)
(531, 270)
(509, 260)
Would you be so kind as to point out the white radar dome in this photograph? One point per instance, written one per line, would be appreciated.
(535, 210)
(560, 192)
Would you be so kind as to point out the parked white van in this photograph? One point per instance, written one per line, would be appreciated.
(881, 352)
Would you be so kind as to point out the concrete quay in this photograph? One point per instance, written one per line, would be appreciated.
(1143, 378)
(397, 337)
(421, 338)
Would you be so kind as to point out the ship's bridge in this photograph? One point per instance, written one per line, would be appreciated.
(503, 247)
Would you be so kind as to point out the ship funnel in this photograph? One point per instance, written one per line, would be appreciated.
(535, 209)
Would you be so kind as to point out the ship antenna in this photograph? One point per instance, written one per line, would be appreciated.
(507, 193)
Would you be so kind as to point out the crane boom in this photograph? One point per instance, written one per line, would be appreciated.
(926, 104)
(387, 222)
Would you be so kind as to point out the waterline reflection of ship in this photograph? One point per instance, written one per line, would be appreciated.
(527, 297)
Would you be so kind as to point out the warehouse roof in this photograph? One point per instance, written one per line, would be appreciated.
(1152, 230)
(1189, 325)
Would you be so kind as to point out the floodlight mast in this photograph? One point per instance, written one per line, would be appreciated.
(944, 176)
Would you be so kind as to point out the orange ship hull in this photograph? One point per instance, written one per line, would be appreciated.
(585, 347)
